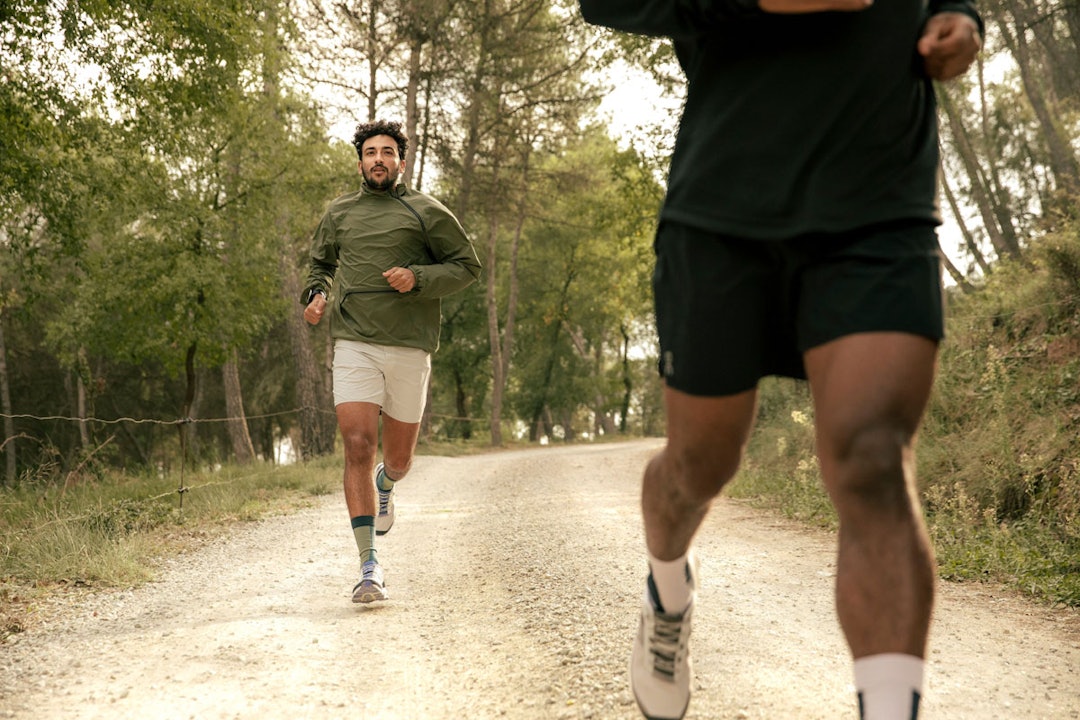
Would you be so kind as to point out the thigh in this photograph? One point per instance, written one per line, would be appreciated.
(706, 437)
(869, 385)
(398, 444)
(877, 279)
(724, 312)
(359, 425)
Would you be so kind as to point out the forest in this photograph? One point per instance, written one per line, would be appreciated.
(163, 167)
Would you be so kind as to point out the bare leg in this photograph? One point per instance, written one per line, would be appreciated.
(870, 391)
(359, 424)
(705, 441)
(399, 444)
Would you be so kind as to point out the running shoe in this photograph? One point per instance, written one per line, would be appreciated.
(385, 519)
(371, 587)
(660, 668)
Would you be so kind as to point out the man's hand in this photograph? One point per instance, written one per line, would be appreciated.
(792, 7)
(314, 311)
(949, 44)
(401, 279)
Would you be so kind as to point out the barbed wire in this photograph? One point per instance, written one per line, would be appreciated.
(181, 490)
(196, 421)
(156, 421)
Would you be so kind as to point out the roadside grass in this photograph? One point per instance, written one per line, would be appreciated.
(1000, 490)
(109, 532)
(1028, 539)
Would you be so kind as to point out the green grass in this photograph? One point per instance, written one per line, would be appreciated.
(1000, 497)
(108, 532)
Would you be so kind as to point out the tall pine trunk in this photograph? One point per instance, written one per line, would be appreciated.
(5, 407)
(236, 420)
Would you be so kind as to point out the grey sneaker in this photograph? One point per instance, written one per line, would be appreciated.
(371, 587)
(660, 668)
(385, 519)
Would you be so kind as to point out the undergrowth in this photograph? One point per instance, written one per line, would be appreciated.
(999, 451)
(108, 531)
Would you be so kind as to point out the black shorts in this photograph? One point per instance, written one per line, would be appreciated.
(731, 311)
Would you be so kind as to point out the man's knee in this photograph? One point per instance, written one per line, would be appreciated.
(869, 467)
(397, 468)
(358, 444)
(699, 473)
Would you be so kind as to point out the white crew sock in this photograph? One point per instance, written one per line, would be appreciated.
(671, 584)
(889, 686)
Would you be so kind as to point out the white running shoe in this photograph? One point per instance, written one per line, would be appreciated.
(660, 668)
(385, 519)
(371, 587)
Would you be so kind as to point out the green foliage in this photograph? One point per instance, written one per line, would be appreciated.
(997, 455)
(585, 272)
(780, 468)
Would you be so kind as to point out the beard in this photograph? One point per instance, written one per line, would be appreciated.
(387, 182)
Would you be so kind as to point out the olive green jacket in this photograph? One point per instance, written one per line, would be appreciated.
(367, 232)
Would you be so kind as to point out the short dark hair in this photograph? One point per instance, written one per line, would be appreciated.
(380, 127)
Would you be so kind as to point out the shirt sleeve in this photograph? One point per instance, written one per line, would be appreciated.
(961, 6)
(456, 265)
(322, 260)
(666, 18)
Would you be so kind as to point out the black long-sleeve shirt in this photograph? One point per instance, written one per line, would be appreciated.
(795, 124)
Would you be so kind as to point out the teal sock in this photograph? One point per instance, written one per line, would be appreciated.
(363, 527)
(383, 481)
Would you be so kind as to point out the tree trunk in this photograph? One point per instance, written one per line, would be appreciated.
(969, 239)
(607, 424)
(316, 435)
(81, 401)
(472, 117)
(497, 379)
(502, 343)
(1062, 159)
(373, 44)
(186, 427)
(236, 422)
(5, 407)
(954, 272)
(627, 380)
(461, 407)
(979, 193)
(412, 88)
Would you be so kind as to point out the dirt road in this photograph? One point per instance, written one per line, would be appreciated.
(515, 580)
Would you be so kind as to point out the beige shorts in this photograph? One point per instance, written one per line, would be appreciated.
(395, 378)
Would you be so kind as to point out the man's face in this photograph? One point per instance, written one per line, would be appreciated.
(380, 163)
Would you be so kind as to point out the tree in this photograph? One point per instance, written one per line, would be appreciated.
(586, 292)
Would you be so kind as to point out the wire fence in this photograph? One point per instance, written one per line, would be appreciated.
(969, 319)
(182, 488)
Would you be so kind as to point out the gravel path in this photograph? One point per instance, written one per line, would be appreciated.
(515, 580)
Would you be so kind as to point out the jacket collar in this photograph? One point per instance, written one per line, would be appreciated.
(396, 191)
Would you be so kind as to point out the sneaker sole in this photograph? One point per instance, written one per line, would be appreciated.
(369, 595)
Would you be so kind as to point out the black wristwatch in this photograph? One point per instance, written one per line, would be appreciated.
(313, 292)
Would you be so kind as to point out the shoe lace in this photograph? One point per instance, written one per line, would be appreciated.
(370, 573)
(666, 644)
(384, 501)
